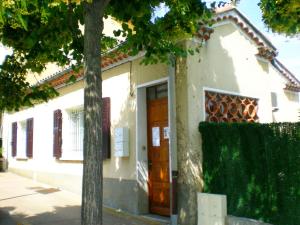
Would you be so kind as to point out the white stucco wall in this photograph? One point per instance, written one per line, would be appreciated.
(120, 86)
(288, 101)
(227, 63)
(115, 86)
(43, 159)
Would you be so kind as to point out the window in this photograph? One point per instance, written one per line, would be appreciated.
(157, 92)
(72, 135)
(68, 132)
(76, 130)
(274, 100)
(22, 139)
(230, 108)
(21, 145)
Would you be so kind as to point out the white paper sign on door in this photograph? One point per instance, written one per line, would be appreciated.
(155, 137)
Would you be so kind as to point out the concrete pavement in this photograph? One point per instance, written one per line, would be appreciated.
(25, 202)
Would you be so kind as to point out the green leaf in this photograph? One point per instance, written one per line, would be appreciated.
(23, 4)
(22, 21)
(72, 79)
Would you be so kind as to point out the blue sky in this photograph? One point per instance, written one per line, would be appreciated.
(288, 48)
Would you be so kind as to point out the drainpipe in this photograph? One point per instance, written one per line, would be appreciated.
(172, 140)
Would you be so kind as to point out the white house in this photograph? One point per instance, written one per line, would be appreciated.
(153, 147)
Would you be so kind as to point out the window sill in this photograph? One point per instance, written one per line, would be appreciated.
(20, 158)
(71, 158)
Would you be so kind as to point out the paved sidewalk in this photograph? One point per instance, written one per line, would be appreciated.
(25, 202)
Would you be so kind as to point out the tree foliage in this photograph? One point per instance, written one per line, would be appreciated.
(49, 31)
(282, 16)
(41, 32)
(15, 91)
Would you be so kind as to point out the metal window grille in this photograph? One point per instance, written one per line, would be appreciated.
(76, 130)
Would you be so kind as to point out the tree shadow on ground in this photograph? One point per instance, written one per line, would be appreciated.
(5, 218)
(68, 215)
(59, 216)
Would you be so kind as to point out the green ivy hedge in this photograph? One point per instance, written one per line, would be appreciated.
(257, 166)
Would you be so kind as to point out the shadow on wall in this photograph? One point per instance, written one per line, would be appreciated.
(122, 115)
(120, 184)
(219, 60)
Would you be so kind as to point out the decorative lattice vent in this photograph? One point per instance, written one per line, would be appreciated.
(230, 108)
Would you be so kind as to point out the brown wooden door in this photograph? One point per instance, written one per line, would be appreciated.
(158, 156)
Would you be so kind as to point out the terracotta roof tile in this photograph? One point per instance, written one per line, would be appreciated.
(265, 49)
(62, 77)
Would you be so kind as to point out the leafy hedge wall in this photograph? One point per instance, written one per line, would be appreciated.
(257, 166)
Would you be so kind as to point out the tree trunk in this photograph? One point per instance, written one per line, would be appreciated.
(189, 157)
(92, 185)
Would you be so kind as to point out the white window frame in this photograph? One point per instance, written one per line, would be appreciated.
(68, 153)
